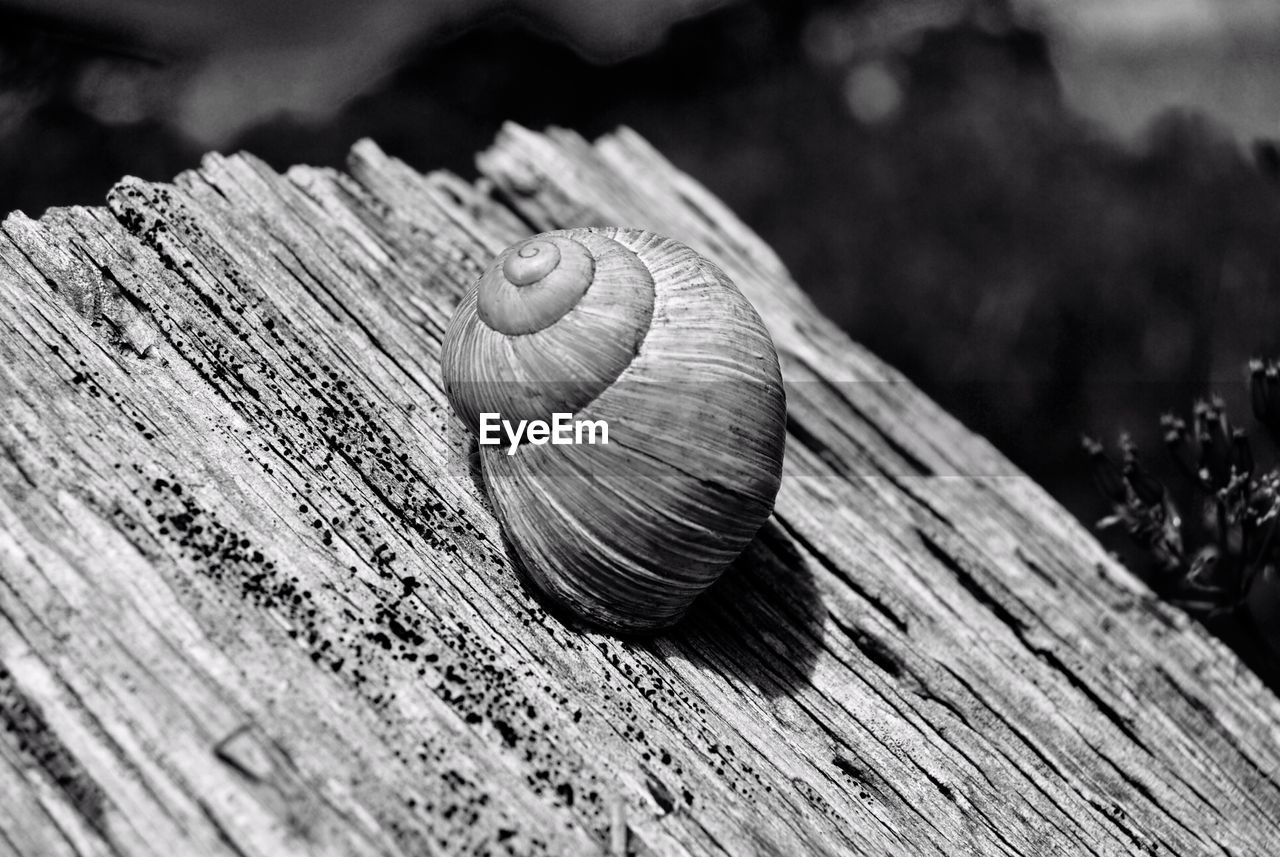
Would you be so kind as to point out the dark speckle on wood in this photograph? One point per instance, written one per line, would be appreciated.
(24, 728)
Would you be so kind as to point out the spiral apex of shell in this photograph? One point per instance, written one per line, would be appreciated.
(638, 331)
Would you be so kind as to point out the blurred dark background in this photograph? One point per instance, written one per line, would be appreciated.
(1054, 220)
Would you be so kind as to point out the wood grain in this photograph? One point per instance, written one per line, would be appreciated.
(252, 601)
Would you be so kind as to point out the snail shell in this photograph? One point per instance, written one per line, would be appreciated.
(637, 330)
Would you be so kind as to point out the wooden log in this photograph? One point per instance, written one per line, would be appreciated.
(253, 602)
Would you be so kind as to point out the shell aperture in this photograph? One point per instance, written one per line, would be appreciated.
(660, 345)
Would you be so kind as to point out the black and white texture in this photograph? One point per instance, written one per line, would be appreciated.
(252, 601)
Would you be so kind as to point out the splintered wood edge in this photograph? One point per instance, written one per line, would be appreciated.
(254, 603)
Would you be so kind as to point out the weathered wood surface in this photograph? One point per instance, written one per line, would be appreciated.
(252, 602)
